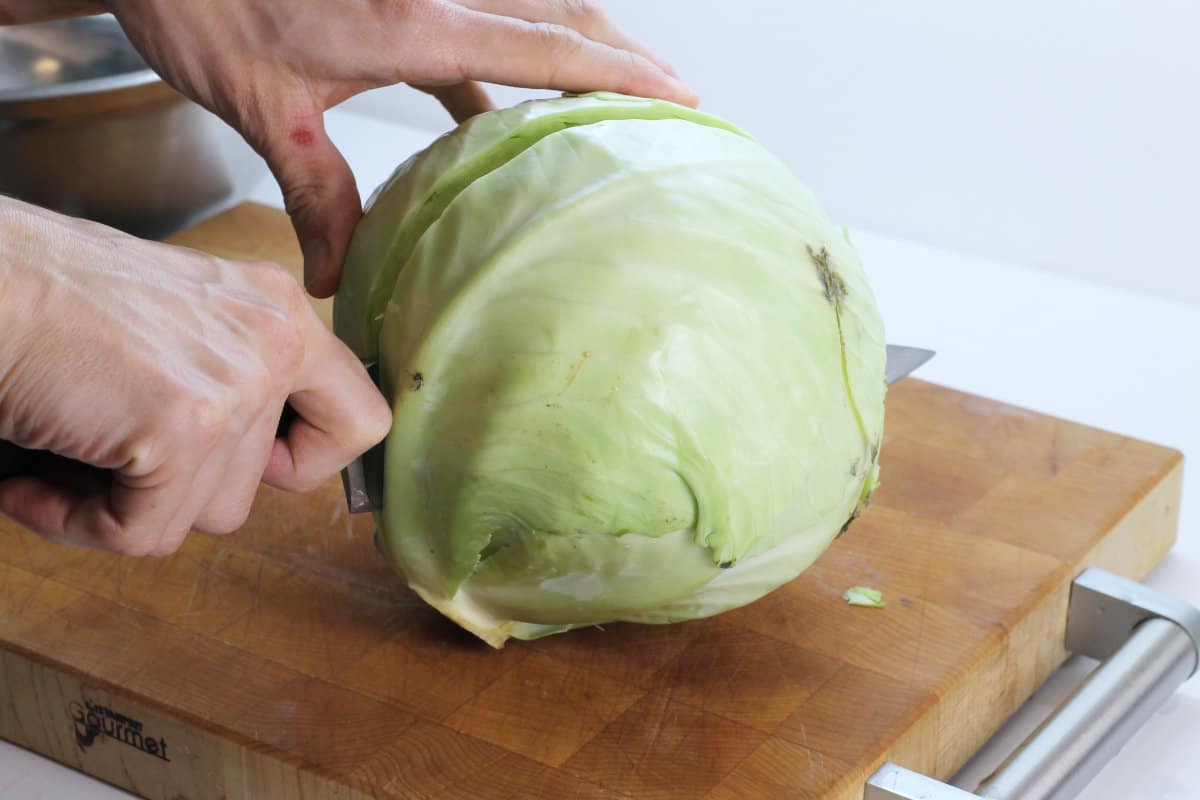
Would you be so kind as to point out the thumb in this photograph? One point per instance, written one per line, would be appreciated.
(320, 195)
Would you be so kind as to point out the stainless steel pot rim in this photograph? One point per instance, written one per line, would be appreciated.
(110, 83)
(88, 55)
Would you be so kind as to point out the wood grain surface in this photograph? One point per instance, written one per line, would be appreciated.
(288, 661)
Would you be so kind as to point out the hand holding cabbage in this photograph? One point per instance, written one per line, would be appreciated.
(270, 68)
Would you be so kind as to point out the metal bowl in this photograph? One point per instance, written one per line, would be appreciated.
(86, 128)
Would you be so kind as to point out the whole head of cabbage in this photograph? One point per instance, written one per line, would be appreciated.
(637, 374)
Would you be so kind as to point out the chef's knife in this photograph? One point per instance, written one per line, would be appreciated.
(17, 462)
(363, 479)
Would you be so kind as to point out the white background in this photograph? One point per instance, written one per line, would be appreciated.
(1063, 135)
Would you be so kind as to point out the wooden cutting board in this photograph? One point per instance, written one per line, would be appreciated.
(287, 661)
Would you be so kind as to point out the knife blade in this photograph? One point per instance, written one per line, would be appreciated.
(902, 361)
(362, 480)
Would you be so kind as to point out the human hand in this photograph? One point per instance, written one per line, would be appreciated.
(270, 68)
(170, 368)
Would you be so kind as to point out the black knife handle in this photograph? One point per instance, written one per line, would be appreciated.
(17, 462)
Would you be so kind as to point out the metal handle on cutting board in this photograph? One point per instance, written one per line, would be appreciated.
(1148, 644)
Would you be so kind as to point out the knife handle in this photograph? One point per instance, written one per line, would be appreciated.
(18, 462)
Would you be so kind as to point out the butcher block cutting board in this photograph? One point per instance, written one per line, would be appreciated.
(287, 661)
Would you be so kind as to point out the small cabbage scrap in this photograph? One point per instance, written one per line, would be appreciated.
(637, 373)
(863, 596)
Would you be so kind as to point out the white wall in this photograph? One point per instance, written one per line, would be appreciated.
(1063, 135)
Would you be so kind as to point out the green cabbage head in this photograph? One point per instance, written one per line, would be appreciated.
(637, 373)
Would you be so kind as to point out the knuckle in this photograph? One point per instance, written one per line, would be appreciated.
(229, 521)
(230, 508)
(372, 428)
(285, 348)
(256, 389)
(635, 71)
(139, 549)
(378, 424)
(288, 350)
(172, 539)
(276, 279)
(560, 44)
(167, 548)
(584, 12)
(208, 417)
(302, 200)
(281, 340)
(243, 514)
(408, 9)
(114, 538)
(432, 10)
(110, 534)
(407, 21)
(310, 483)
(144, 451)
(557, 36)
(309, 475)
(284, 288)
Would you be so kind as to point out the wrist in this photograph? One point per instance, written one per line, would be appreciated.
(18, 230)
(15, 316)
(13, 232)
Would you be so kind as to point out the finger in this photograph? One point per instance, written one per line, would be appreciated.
(341, 416)
(463, 100)
(582, 15)
(237, 478)
(499, 49)
(130, 517)
(319, 193)
(42, 505)
(201, 488)
(207, 485)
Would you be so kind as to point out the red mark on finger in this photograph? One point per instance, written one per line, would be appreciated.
(301, 137)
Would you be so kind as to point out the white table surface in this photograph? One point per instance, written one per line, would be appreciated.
(1096, 355)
